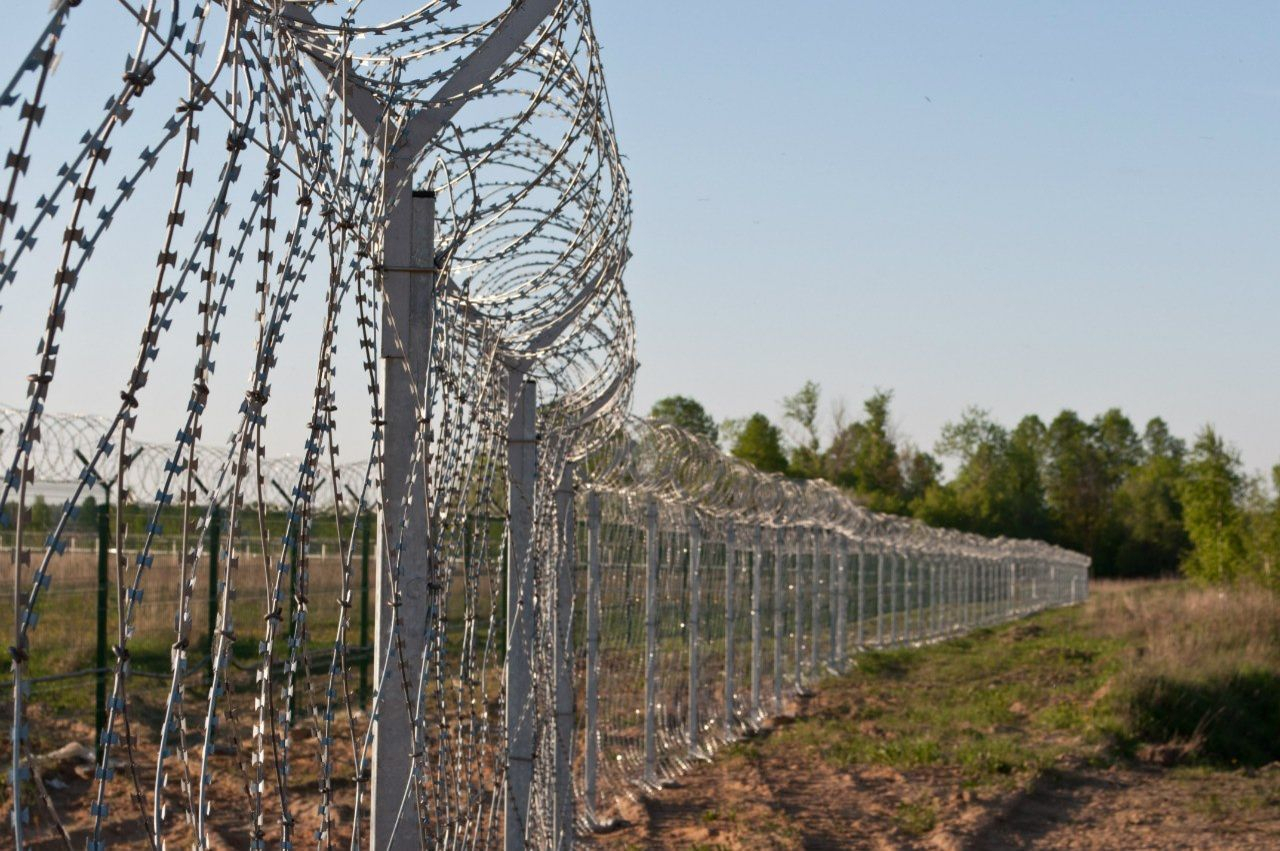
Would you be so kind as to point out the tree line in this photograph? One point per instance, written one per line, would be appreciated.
(1139, 502)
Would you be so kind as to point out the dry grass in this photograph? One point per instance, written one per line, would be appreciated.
(1201, 673)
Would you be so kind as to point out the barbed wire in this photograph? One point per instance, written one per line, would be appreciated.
(293, 135)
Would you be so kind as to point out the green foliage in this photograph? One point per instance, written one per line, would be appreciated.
(759, 442)
(1211, 494)
(1137, 503)
(686, 413)
(865, 458)
(802, 409)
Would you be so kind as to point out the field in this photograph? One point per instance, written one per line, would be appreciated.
(1147, 718)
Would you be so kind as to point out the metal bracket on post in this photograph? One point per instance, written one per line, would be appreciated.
(522, 478)
(410, 244)
(562, 660)
(651, 646)
(695, 624)
(592, 755)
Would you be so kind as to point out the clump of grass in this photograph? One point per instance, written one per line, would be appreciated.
(916, 818)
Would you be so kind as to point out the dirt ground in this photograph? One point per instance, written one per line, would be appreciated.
(775, 801)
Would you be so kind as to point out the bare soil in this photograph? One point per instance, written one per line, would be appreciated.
(763, 799)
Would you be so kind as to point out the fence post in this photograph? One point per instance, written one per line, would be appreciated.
(403, 543)
(815, 602)
(862, 597)
(522, 476)
(592, 756)
(215, 544)
(779, 566)
(880, 553)
(104, 538)
(562, 659)
(651, 644)
(839, 644)
(364, 609)
(799, 614)
(757, 636)
(695, 624)
(730, 614)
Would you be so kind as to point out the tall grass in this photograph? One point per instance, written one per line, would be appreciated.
(1202, 669)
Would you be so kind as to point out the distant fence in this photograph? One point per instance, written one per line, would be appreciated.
(710, 594)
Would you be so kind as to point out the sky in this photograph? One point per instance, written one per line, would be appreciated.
(1019, 206)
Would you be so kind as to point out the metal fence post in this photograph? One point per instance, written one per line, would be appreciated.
(592, 756)
(215, 544)
(651, 644)
(730, 615)
(880, 553)
(562, 659)
(779, 566)
(815, 602)
(365, 526)
(104, 538)
(797, 575)
(839, 644)
(590, 759)
(862, 597)
(695, 625)
(522, 477)
(757, 636)
(404, 541)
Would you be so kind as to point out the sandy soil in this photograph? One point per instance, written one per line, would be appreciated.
(769, 801)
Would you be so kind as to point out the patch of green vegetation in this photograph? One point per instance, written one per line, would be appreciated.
(994, 705)
(916, 818)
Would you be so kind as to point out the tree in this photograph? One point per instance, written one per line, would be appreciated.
(1149, 507)
(802, 409)
(1211, 494)
(687, 414)
(1075, 483)
(759, 443)
(864, 458)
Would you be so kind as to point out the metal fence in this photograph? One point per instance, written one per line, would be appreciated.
(567, 603)
(701, 615)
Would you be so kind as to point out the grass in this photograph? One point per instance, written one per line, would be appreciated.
(1161, 670)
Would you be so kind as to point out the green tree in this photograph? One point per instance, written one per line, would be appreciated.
(686, 413)
(1076, 486)
(1211, 495)
(759, 442)
(996, 490)
(864, 457)
(802, 409)
(1149, 507)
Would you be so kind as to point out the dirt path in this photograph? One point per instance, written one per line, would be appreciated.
(773, 802)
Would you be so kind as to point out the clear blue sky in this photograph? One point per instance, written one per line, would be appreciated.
(1022, 206)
